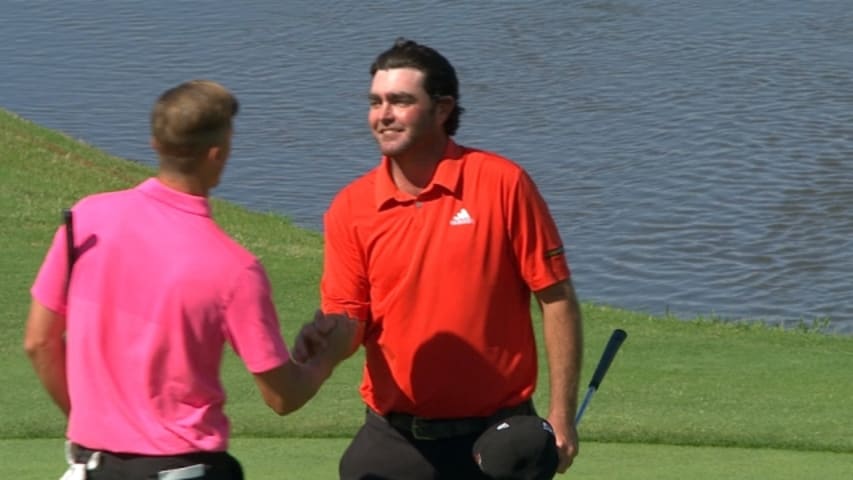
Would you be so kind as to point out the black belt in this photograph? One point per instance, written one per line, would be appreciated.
(180, 466)
(438, 428)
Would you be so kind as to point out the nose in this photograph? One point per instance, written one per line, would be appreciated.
(386, 112)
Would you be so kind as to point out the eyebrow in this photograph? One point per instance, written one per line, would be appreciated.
(393, 97)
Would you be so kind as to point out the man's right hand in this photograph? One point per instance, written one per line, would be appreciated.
(331, 336)
(320, 345)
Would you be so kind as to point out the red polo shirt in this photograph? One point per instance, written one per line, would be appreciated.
(443, 282)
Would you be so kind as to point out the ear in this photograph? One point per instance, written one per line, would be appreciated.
(214, 153)
(154, 144)
(444, 106)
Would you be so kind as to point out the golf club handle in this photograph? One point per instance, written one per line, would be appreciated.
(610, 350)
(68, 219)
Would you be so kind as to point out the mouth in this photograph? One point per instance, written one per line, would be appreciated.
(388, 130)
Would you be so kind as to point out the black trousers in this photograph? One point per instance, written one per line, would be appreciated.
(381, 452)
(122, 466)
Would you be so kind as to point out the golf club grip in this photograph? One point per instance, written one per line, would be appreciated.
(68, 218)
(610, 350)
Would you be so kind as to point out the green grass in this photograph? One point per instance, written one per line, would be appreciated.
(317, 459)
(699, 398)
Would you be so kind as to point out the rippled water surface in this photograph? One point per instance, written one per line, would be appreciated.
(697, 157)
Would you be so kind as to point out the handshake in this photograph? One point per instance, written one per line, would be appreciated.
(329, 338)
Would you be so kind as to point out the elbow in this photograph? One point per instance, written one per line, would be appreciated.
(280, 410)
(44, 333)
(34, 347)
(286, 388)
(285, 400)
(276, 402)
(30, 348)
(281, 406)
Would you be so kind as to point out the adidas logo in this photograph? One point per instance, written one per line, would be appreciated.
(462, 217)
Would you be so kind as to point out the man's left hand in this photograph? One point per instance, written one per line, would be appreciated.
(567, 441)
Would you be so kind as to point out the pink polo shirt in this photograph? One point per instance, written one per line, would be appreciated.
(157, 290)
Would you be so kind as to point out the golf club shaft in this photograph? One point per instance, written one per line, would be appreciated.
(589, 392)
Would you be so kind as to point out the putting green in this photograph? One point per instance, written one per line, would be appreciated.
(316, 459)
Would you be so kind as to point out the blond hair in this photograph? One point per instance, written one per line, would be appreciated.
(189, 119)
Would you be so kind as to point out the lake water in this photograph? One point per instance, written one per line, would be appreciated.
(696, 155)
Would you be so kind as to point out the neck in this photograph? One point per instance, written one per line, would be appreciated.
(183, 183)
(413, 172)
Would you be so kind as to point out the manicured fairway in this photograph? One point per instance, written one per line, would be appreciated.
(316, 459)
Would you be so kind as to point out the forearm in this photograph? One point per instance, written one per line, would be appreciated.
(288, 387)
(48, 360)
(564, 346)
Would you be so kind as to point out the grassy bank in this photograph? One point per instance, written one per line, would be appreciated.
(676, 382)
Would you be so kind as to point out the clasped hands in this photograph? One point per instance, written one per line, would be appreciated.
(329, 335)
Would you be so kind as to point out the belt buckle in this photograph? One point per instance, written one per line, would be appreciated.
(420, 429)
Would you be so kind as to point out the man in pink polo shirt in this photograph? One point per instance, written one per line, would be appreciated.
(128, 325)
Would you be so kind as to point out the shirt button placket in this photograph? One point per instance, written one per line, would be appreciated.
(419, 213)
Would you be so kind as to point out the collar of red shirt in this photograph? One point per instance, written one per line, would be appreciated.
(446, 175)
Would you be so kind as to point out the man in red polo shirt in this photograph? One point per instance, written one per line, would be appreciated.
(436, 252)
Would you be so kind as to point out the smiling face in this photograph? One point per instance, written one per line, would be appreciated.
(402, 117)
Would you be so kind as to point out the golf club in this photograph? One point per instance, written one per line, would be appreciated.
(68, 219)
(616, 338)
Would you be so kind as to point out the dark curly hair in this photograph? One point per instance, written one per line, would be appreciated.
(440, 76)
